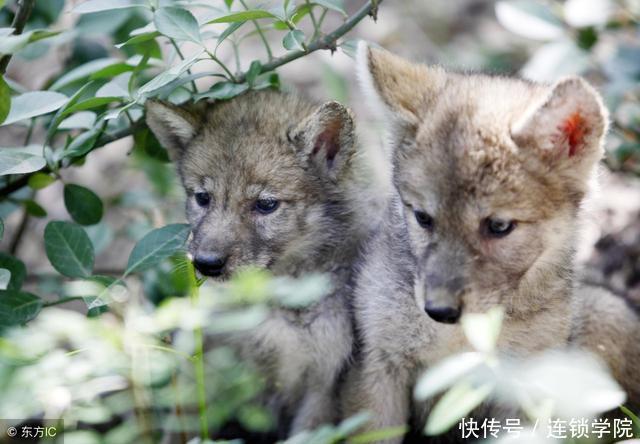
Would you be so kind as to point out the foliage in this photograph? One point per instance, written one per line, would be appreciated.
(596, 38)
(136, 364)
(551, 385)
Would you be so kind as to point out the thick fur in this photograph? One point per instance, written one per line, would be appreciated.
(466, 149)
(272, 145)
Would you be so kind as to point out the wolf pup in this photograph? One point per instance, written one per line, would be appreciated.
(270, 179)
(491, 173)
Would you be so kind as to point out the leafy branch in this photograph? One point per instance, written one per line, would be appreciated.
(319, 42)
(25, 7)
(328, 42)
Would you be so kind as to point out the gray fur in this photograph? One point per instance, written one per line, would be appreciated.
(304, 155)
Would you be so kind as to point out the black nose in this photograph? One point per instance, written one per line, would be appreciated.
(210, 264)
(444, 314)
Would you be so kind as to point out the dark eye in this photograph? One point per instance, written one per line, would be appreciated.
(499, 227)
(266, 206)
(202, 198)
(424, 219)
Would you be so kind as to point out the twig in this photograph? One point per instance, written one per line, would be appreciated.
(177, 48)
(15, 242)
(260, 32)
(326, 42)
(222, 65)
(62, 301)
(19, 20)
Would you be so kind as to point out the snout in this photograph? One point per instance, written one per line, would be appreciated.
(442, 313)
(211, 264)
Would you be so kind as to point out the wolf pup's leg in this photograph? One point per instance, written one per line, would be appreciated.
(383, 391)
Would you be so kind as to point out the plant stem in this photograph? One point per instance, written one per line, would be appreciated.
(32, 124)
(326, 42)
(62, 301)
(198, 363)
(260, 32)
(316, 26)
(19, 20)
(177, 48)
(222, 65)
(15, 243)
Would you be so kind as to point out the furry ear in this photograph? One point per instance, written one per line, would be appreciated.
(404, 88)
(174, 126)
(326, 139)
(566, 130)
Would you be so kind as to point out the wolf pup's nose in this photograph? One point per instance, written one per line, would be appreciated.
(210, 264)
(444, 314)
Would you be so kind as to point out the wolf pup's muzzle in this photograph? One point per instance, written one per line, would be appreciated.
(210, 264)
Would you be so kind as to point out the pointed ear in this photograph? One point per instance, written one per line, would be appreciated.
(566, 130)
(174, 126)
(403, 88)
(326, 139)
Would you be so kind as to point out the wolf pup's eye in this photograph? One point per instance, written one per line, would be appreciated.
(266, 206)
(202, 198)
(499, 227)
(424, 219)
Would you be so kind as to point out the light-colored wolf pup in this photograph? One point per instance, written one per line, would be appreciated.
(491, 174)
(271, 180)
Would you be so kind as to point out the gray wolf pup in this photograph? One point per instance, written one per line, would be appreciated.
(272, 181)
(491, 173)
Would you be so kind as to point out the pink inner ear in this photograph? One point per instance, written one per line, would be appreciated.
(573, 129)
(328, 140)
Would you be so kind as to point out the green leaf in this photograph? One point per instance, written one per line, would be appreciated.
(141, 38)
(254, 71)
(39, 181)
(336, 5)
(34, 209)
(33, 104)
(157, 245)
(233, 27)
(91, 103)
(84, 206)
(83, 119)
(482, 329)
(21, 160)
(69, 249)
(105, 5)
(267, 80)
(14, 43)
(167, 76)
(17, 269)
(244, 16)
(82, 144)
(633, 417)
(454, 405)
(177, 23)
(223, 91)
(5, 277)
(5, 99)
(293, 40)
(378, 435)
(83, 71)
(529, 18)
(445, 373)
(17, 307)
